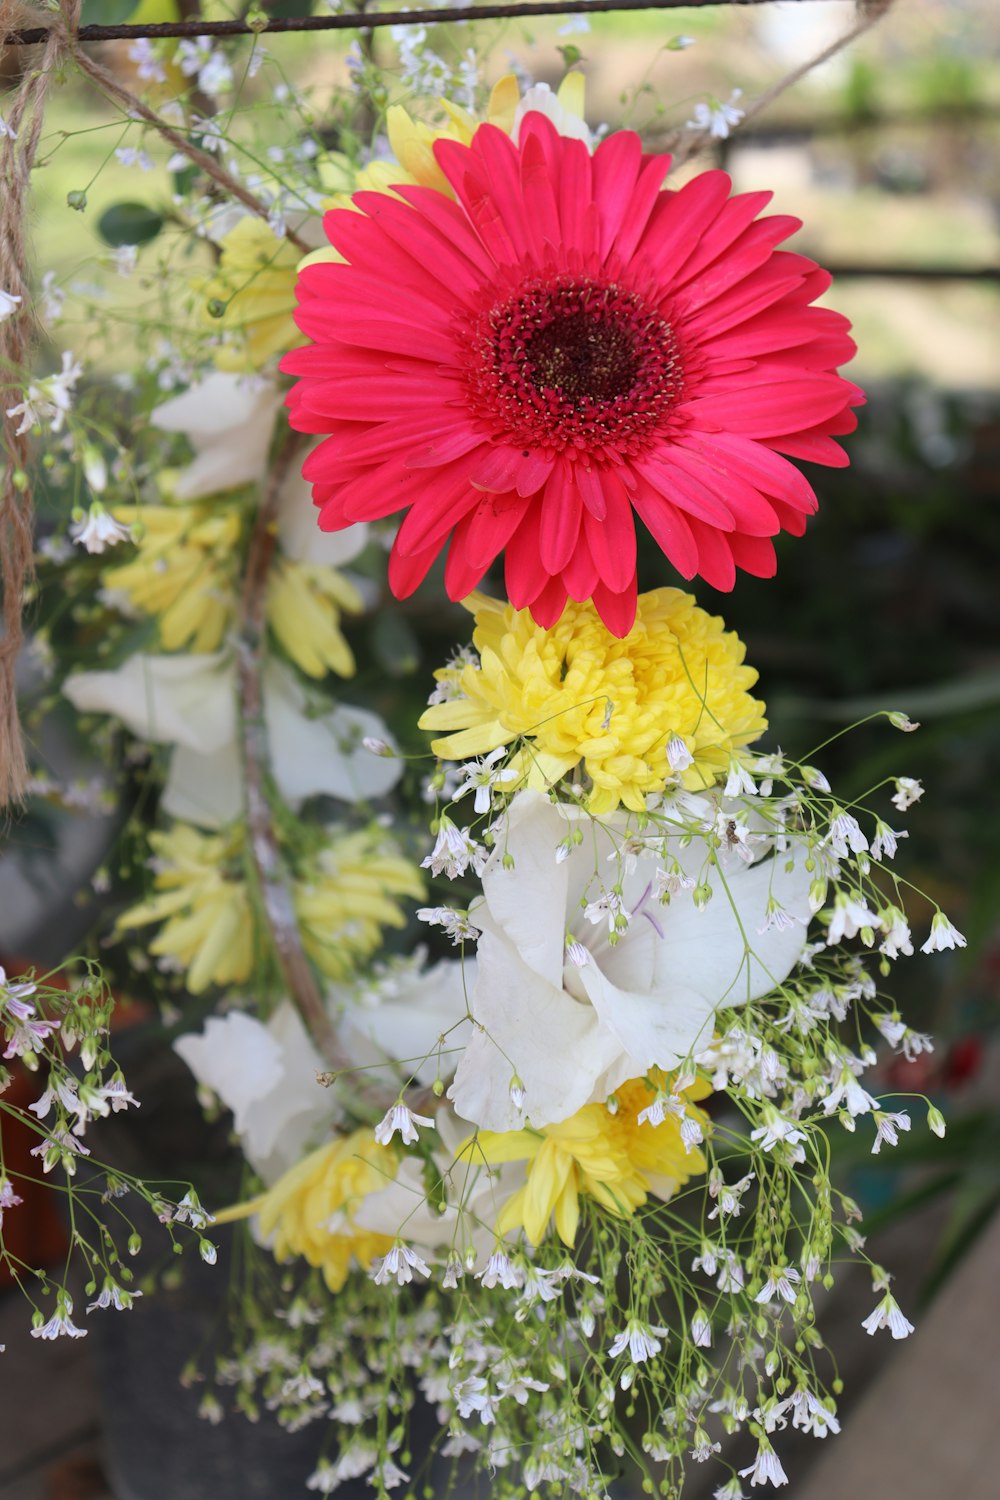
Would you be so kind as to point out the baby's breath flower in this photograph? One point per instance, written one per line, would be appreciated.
(887, 1315)
(398, 1117)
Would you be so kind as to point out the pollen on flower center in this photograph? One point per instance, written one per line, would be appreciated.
(578, 356)
(572, 363)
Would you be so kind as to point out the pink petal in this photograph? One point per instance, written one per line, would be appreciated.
(562, 510)
(617, 608)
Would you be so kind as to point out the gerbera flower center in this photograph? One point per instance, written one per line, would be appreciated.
(580, 357)
(576, 363)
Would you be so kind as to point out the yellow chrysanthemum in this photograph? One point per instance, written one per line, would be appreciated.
(578, 693)
(203, 903)
(329, 1183)
(605, 1156)
(346, 898)
(304, 605)
(254, 286)
(184, 570)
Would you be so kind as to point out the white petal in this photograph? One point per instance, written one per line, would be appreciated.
(406, 1028)
(555, 1045)
(308, 755)
(528, 903)
(657, 1029)
(229, 420)
(704, 952)
(204, 789)
(266, 1074)
(183, 700)
(299, 533)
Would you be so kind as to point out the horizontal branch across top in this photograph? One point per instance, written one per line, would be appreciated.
(360, 19)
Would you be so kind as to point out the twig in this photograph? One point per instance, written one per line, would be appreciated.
(685, 143)
(356, 20)
(136, 109)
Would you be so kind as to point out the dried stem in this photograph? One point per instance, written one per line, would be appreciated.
(136, 109)
(686, 143)
(352, 21)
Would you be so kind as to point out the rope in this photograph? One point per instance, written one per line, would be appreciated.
(17, 154)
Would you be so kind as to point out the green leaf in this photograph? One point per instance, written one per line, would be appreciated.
(107, 12)
(129, 224)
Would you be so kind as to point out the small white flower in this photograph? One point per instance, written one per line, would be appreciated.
(517, 1093)
(642, 1340)
(776, 1128)
(766, 1468)
(6, 130)
(454, 851)
(113, 1295)
(400, 1118)
(499, 1268)
(679, 757)
(908, 791)
(717, 118)
(780, 1283)
(148, 65)
(729, 1196)
(888, 1315)
(663, 1105)
(133, 156)
(400, 1262)
(846, 835)
(897, 938)
(851, 915)
(60, 1323)
(692, 1134)
(809, 1415)
(8, 302)
(943, 935)
(731, 1491)
(739, 783)
(481, 778)
(887, 1127)
(701, 1330)
(375, 746)
(886, 840)
(455, 923)
(99, 530)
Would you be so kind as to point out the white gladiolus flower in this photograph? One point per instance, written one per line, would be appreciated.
(573, 1033)
(266, 1074)
(190, 702)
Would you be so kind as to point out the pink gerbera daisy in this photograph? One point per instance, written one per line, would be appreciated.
(562, 345)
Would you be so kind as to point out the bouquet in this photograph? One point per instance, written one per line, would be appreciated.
(539, 1014)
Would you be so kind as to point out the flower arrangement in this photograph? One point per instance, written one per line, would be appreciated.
(560, 1170)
